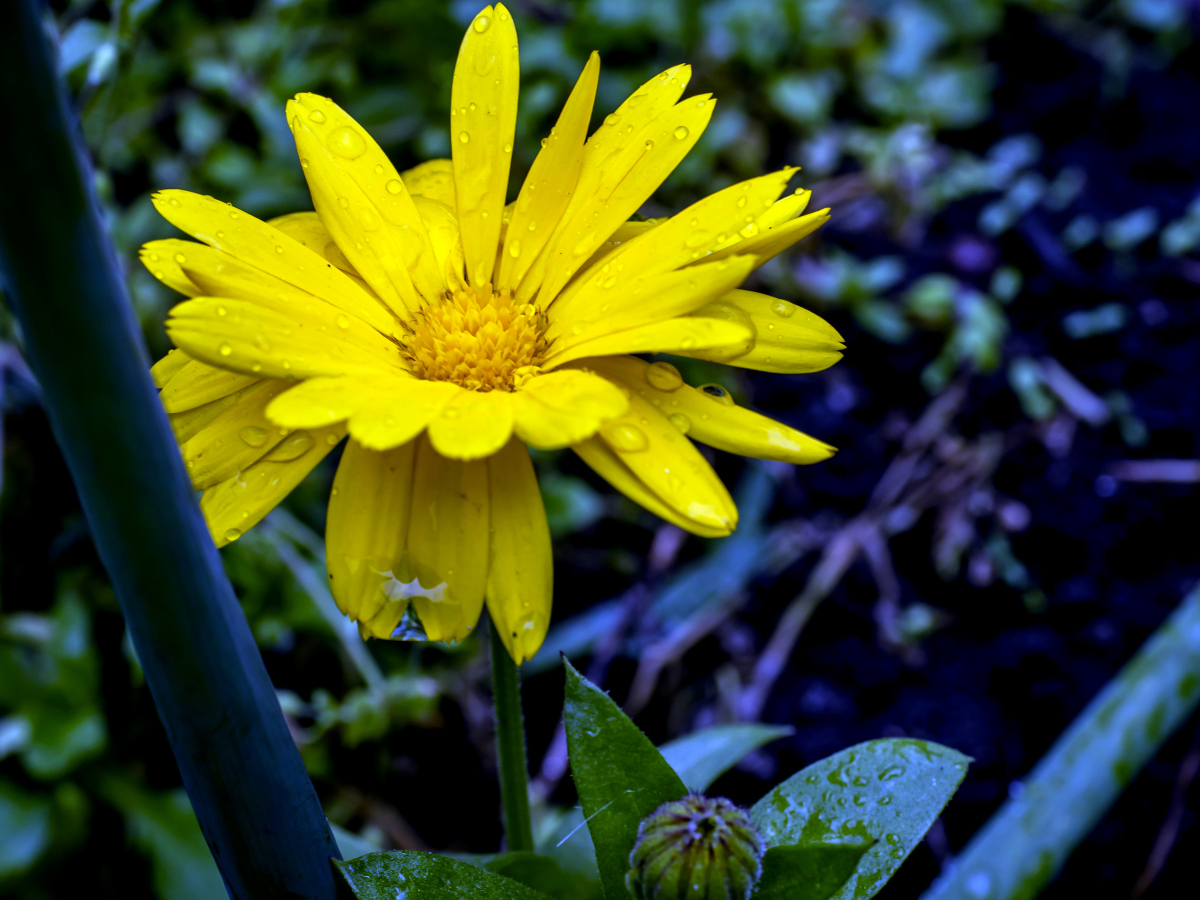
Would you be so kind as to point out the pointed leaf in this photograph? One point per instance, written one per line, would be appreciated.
(807, 871)
(620, 776)
(889, 791)
(412, 875)
(703, 756)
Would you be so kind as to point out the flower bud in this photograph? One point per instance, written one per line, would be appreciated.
(700, 848)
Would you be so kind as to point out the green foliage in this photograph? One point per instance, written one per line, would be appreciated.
(703, 756)
(426, 876)
(620, 776)
(887, 792)
(808, 871)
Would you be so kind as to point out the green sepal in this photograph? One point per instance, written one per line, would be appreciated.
(888, 792)
(621, 777)
(414, 875)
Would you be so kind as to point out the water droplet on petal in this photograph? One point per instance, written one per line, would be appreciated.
(718, 393)
(696, 238)
(663, 376)
(481, 24)
(464, 137)
(331, 439)
(343, 202)
(514, 249)
(612, 119)
(379, 170)
(749, 231)
(303, 163)
(783, 309)
(317, 116)
(681, 132)
(180, 258)
(508, 148)
(278, 248)
(680, 421)
(395, 186)
(649, 145)
(625, 437)
(253, 435)
(292, 447)
(346, 142)
(225, 349)
(343, 320)
(221, 310)
(232, 534)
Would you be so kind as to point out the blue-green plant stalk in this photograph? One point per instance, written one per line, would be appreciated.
(1023, 846)
(511, 758)
(255, 803)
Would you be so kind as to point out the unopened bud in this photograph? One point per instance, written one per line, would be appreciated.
(700, 848)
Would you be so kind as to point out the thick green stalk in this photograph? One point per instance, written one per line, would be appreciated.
(255, 803)
(1023, 846)
(510, 745)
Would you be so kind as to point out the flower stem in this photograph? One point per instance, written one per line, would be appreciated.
(510, 746)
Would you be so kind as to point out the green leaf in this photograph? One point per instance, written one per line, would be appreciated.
(412, 875)
(807, 871)
(703, 756)
(531, 869)
(889, 791)
(620, 776)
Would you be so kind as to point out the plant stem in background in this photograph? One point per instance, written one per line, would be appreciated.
(510, 745)
(1023, 846)
(254, 801)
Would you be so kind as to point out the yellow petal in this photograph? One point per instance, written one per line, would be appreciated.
(220, 275)
(191, 422)
(521, 568)
(669, 465)
(309, 230)
(235, 506)
(631, 176)
(235, 439)
(260, 245)
(705, 226)
(366, 535)
(787, 337)
(198, 383)
(609, 466)
(710, 419)
(250, 338)
(433, 179)
(483, 119)
(645, 104)
(448, 538)
(473, 424)
(441, 225)
(767, 243)
(159, 258)
(683, 335)
(607, 306)
(322, 401)
(625, 232)
(399, 410)
(551, 181)
(565, 407)
(364, 204)
(168, 367)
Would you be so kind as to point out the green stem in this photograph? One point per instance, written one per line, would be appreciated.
(510, 746)
(1021, 848)
(253, 799)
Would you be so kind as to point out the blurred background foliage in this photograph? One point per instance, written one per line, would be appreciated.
(1016, 214)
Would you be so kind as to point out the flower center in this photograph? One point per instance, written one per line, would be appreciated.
(476, 338)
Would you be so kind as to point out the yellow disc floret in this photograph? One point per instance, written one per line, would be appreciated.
(477, 338)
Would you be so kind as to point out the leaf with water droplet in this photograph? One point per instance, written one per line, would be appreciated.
(620, 776)
(808, 871)
(411, 873)
(905, 785)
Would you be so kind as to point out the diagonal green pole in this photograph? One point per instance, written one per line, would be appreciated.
(1022, 847)
(247, 783)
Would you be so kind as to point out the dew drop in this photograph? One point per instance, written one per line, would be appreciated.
(331, 439)
(718, 393)
(612, 119)
(508, 148)
(544, 140)
(253, 436)
(180, 258)
(649, 145)
(317, 116)
(292, 447)
(696, 238)
(221, 310)
(472, 107)
(225, 349)
(463, 137)
(343, 320)
(625, 437)
(303, 163)
(681, 132)
(394, 186)
(688, 343)
(278, 248)
(232, 534)
(346, 142)
(343, 202)
(514, 249)
(481, 24)
(379, 170)
(233, 214)
(749, 231)
(783, 309)
(680, 421)
(664, 376)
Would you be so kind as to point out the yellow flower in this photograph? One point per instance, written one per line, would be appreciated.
(445, 331)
